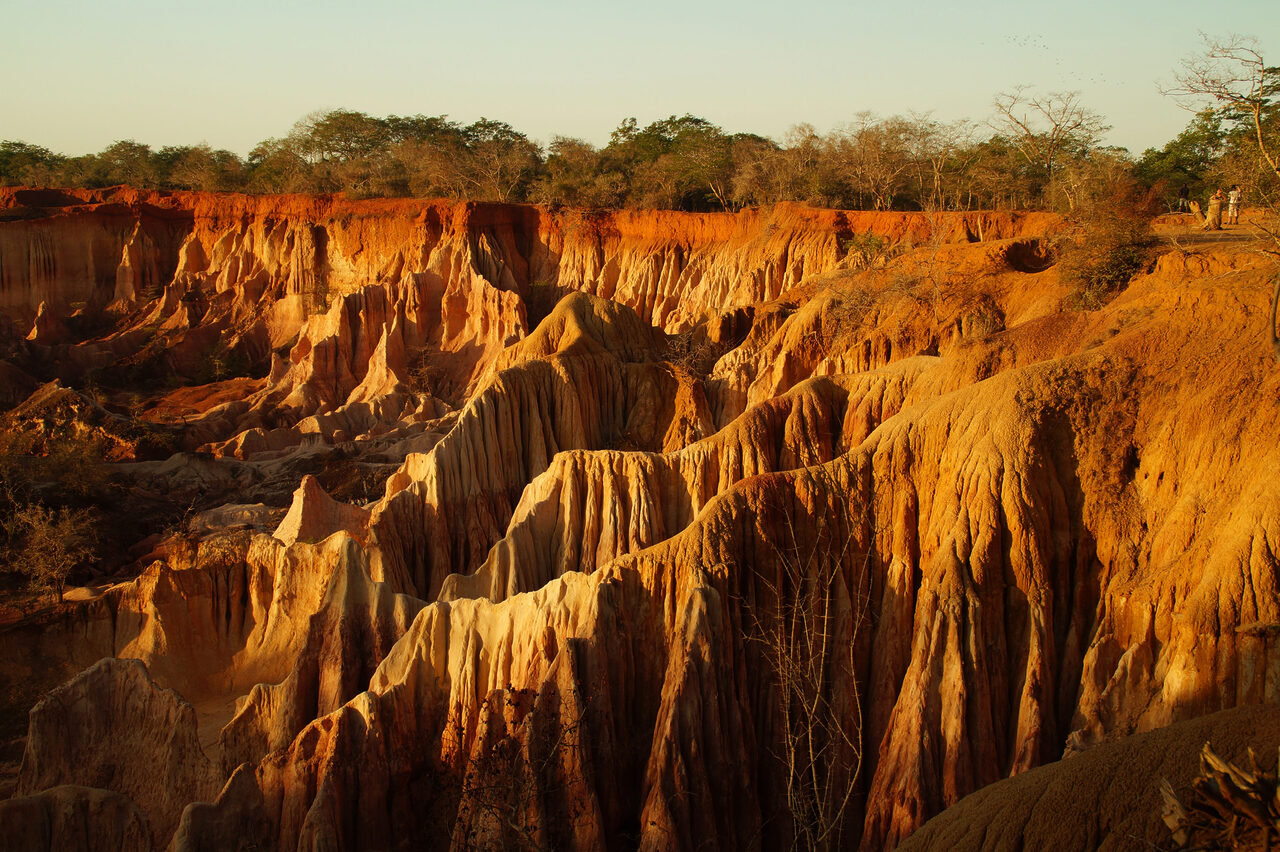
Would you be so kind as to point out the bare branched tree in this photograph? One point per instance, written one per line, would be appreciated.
(522, 787)
(1045, 127)
(808, 635)
(1233, 74)
(939, 150)
(871, 154)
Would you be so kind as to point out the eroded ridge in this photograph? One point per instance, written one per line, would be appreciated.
(555, 621)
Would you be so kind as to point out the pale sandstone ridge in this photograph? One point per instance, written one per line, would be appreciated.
(235, 820)
(443, 510)
(74, 819)
(352, 631)
(354, 289)
(1002, 447)
(589, 508)
(1042, 529)
(315, 515)
(113, 728)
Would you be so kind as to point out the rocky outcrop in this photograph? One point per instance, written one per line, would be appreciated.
(234, 821)
(315, 515)
(992, 514)
(445, 509)
(338, 281)
(1023, 529)
(1107, 798)
(589, 508)
(351, 632)
(68, 247)
(669, 267)
(47, 327)
(113, 728)
(75, 819)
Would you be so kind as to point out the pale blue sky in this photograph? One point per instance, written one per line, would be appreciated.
(80, 75)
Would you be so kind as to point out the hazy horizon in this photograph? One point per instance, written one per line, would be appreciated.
(86, 75)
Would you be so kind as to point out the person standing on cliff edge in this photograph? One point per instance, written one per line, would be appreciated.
(1234, 198)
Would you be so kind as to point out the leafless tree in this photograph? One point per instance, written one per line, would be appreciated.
(872, 155)
(522, 787)
(1233, 74)
(1045, 127)
(938, 150)
(808, 635)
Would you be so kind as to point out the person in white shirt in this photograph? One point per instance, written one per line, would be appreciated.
(1233, 205)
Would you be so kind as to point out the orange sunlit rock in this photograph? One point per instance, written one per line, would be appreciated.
(598, 448)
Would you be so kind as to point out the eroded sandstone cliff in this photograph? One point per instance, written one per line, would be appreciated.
(555, 621)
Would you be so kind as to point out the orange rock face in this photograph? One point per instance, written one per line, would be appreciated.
(1005, 529)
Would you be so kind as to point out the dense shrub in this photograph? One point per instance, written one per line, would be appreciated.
(1108, 241)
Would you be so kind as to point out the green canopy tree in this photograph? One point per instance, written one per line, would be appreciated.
(279, 165)
(682, 162)
(49, 544)
(500, 162)
(127, 162)
(1187, 160)
(577, 173)
(24, 164)
(198, 167)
